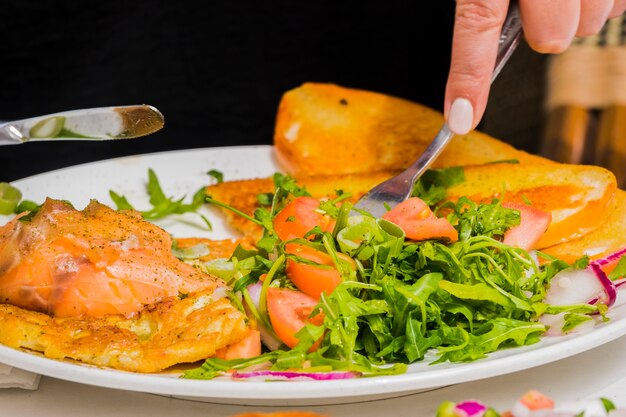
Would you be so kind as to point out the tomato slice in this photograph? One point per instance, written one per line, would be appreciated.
(533, 224)
(248, 347)
(314, 280)
(419, 222)
(289, 311)
(299, 216)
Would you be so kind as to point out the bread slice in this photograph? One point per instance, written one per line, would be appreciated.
(578, 196)
(610, 237)
(325, 129)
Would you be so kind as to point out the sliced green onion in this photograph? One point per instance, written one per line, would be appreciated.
(9, 198)
(193, 252)
(221, 267)
(47, 128)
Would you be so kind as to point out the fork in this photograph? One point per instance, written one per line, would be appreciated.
(399, 188)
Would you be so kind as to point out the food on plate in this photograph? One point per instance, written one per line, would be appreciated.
(104, 287)
(161, 335)
(325, 128)
(532, 404)
(314, 290)
(420, 283)
(205, 250)
(606, 239)
(244, 194)
(374, 134)
(533, 224)
(92, 262)
(418, 222)
(415, 268)
(577, 196)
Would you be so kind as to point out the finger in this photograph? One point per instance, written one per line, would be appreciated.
(593, 15)
(619, 7)
(549, 26)
(477, 29)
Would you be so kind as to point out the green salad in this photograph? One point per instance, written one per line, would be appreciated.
(393, 300)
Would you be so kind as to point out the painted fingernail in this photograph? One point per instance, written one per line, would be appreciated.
(461, 116)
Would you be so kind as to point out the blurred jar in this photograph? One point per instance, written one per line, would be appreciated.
(586, 101)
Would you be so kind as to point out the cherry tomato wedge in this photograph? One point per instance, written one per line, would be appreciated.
(289, 311)
(314, 280)
(533, 224)
(299, 216)
(419, 222)
(248, 347)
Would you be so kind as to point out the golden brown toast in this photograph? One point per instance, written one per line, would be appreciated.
(578, 196)
(606, 239)
(325, 129)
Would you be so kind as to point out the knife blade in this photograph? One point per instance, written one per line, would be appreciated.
(101, 123)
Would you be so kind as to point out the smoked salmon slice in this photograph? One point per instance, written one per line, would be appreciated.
(94, 262)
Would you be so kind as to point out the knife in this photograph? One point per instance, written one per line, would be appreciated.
(102, 123)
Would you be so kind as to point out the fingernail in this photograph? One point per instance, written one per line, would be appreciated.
(461, 116)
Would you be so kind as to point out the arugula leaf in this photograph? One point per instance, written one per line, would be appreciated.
(473, 219)
(608, 405)
(620, 269)
(494, 334)
(120, 201)
(218, 175)
(30, 206)
(476, 292)
(573, 320)
(431, 186)
(155, 192)
(162, 205)
(265, 199)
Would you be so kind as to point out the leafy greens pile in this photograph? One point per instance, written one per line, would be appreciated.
(406, 300)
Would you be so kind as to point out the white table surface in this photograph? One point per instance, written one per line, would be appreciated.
(600, 372)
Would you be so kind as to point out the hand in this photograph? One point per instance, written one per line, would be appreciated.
(549, 27)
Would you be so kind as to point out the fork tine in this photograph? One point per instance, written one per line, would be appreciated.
(397, 189)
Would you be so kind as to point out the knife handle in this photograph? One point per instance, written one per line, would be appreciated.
(9, 135)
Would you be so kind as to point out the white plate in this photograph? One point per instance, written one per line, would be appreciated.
(183, 172)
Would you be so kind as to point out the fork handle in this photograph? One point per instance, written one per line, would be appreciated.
(510, 37)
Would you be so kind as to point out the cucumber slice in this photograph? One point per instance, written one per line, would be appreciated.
(9, 198)
(48, 128)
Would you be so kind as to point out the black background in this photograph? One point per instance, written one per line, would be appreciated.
(217, 69)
